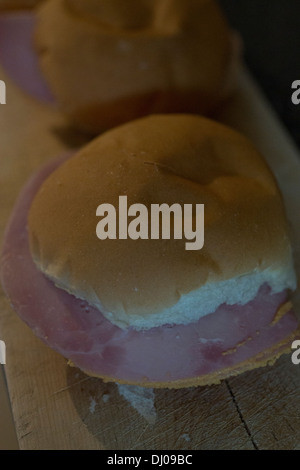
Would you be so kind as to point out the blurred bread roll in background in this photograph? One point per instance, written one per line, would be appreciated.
(110, 61)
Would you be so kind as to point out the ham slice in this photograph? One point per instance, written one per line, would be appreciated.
(218, 341)
(18, 57)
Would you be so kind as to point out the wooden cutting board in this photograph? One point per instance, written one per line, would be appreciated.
(58, 407)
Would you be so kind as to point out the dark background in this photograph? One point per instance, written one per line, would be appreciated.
(270, 30)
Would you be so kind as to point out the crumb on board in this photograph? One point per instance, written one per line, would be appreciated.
(141, 399)
(105, 397)
(93, 404)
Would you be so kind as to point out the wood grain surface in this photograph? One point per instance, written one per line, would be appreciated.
(58, 407)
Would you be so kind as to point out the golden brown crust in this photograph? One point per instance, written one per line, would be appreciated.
(283, 309)
(104, 54)
(159, 159)
(263, 359)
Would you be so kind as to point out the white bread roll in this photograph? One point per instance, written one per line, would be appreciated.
(147, 283)
(111, 61)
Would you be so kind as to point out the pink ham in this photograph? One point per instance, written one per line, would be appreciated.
(81, 333)
(18, 57)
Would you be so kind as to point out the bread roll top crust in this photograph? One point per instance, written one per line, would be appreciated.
(163, 159)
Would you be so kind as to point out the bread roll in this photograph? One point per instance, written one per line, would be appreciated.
(146, 283)
(111, 61)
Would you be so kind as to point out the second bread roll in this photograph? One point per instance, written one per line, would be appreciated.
(108, 63)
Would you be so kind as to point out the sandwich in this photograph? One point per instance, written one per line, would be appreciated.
(165, 308)
(111, 61)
